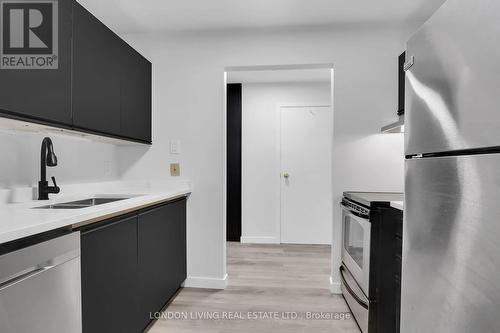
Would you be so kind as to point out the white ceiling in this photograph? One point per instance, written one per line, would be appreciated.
(125, 16)
(280, 76)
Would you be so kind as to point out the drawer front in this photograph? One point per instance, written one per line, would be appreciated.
(356, 300)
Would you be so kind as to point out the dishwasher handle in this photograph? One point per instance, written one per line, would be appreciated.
(25, 262)
(24, 275)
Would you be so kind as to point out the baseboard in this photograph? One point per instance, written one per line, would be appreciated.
(259, 240)
(335, 287)
(307, 243)
(205, 283)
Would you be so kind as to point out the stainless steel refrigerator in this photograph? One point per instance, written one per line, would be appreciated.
(451, 250)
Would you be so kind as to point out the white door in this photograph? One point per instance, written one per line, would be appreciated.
(306, 168)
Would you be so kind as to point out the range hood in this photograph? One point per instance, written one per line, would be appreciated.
(399, 125)
(396, 127)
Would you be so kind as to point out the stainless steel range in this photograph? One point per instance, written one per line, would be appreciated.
(367, 221)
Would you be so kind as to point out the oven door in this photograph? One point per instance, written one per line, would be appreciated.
(356, 246)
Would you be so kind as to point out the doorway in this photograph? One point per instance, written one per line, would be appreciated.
(275, 209)
(306, 164)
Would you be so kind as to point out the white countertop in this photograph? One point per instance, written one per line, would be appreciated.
(21, 220)
(397, 204)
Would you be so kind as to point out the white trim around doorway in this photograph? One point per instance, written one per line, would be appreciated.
(334, 285)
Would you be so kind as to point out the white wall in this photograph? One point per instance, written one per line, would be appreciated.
(187, 106)
(188, 103)
(261, 151)
(79, 160)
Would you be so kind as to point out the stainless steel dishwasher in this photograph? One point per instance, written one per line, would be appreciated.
(40, 286)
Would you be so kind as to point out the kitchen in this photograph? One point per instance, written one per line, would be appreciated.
(100, 156)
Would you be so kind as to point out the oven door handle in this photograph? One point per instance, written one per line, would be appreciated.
(353, 212)
(349, 289)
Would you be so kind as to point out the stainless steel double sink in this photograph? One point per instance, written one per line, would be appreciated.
(81, 203)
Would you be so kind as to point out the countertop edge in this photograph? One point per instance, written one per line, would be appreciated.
(398, 205)
(126, 211)
(89, 217)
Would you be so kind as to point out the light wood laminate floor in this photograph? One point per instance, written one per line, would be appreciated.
(264, 278)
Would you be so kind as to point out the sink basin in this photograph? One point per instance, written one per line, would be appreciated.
(81, 203)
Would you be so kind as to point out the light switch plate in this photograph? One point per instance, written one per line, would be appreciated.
(107, 168)
(175, 169)
(175, 147)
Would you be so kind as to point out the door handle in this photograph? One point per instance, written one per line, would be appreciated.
(286, 175)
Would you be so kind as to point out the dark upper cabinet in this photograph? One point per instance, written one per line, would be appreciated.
(135, 83)
(96, 74)
(42, 95)
(109, 277)
(102, 85)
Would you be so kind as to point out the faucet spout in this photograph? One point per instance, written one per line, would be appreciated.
(47, 158)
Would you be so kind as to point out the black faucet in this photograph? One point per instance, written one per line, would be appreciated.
(48, 158)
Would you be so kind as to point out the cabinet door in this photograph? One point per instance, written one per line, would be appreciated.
(109, 278)
(161, 257)
(135, 95)
(180, 243)
(96, 74)
(42, 95)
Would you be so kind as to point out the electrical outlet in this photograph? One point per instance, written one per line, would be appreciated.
(175, 169)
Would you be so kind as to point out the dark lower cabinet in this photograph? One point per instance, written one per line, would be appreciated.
(109, 277)
(131, 267)
(385, 261)
(181, 258)
(397, 303)
(162, 239)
